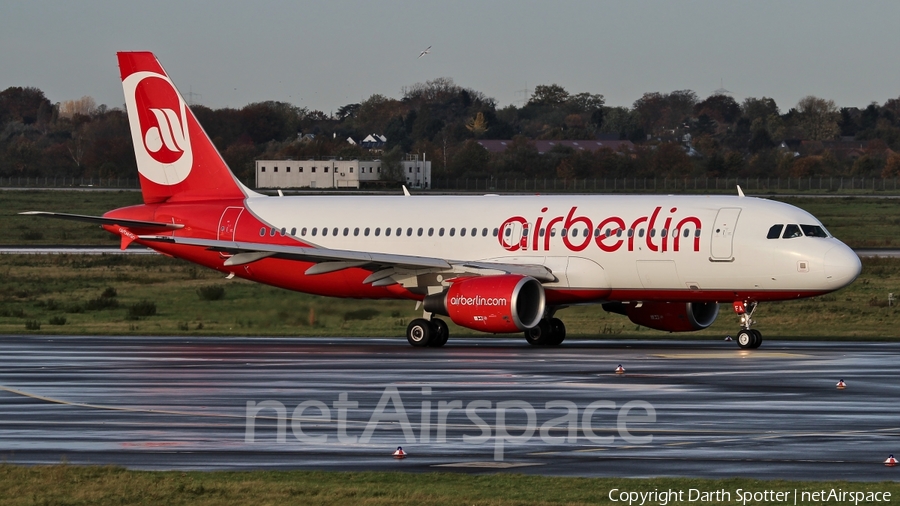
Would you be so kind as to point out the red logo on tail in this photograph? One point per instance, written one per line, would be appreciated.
(162, 126)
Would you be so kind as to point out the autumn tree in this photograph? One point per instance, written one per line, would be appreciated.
(818, 118)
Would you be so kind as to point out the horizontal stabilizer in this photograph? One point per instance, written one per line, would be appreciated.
(100, 220)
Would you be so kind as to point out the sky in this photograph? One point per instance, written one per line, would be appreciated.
(322, 55)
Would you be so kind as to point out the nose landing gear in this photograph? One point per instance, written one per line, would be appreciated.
(747, 338)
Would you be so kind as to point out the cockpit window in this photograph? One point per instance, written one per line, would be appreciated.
(775, 232)
(792, 231)
(813, 231)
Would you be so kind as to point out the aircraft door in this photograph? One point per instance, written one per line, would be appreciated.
(228, 223)
(721, 246)
(514, 236)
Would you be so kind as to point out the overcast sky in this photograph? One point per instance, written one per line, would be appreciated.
(326, 54)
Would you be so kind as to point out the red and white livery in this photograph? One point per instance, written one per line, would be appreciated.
(491, 263)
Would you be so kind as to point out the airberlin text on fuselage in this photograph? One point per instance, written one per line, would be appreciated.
(537, 238)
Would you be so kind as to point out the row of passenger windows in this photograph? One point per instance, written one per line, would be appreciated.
(313, 169)
(791, 231)
(473, 232)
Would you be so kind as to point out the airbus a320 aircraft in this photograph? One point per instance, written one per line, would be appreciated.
(492, 263)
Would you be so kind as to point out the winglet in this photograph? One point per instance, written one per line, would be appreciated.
(740, 192)
(405, 191)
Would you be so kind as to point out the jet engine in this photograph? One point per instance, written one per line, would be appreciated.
(502, 303)
(668, 316)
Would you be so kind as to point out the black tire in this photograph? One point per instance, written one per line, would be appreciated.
(557, 332)
(757, 338)
(441, 333)
(540, 334)
(419, 332)
(746, 339)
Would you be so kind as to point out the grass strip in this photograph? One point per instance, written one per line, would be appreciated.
(82, 485)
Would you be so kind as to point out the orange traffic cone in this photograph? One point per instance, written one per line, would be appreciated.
(399, 454)
(841, 385)
(620, 369)
(891, 461)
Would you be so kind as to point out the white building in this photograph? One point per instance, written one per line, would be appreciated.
(334, 173)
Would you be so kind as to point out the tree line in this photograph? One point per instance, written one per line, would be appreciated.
(675, 134)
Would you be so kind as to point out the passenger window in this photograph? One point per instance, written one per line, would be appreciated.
(774, 232)
(475, 231)
(541, 232)
(484, 232)
(631, 232)
(377, 231)
(272, 231)
(619, 233)
(366, 232)
(641, 233)
(419, 232)
(387, 232)
(652, 232)
(791, 231)
(813, 231)
(409, 232)
(507, 232)
(496, 232)
(335, 231)
(346, 231)
(687, 233)
(399, 232)
(552, 232)
(355, 231)
(303, 231)
(574, 232)
(314, 231)
(563, 232)
(262, 231)
(430, 232)
(324, 231)
(294, 231)
(452, 232)
(697, 233)
(663, 232)
(441, 232)
(462, 232)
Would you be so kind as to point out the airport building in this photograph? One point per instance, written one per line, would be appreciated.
(335, 173)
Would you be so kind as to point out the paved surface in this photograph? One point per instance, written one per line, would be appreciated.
(182, 403)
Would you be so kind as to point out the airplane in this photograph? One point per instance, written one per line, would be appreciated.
(497, 264)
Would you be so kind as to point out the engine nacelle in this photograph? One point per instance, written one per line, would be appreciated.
(669, 316)
(503, 303)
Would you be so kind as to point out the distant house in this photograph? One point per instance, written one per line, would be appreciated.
(373, 141)
(546, 146)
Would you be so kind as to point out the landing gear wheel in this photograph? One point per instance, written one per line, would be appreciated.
(540, 334)
(746, 339)
(757, 339)
(419, 332)
(440, 333)
(557, 332)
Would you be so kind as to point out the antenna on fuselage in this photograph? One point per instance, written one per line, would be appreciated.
(740, 192)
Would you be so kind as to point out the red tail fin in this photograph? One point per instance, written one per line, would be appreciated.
(176, 159)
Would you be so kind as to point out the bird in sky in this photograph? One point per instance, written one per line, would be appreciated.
(426, 51)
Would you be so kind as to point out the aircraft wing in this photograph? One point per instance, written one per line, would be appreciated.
(387, 268)
(100, 220)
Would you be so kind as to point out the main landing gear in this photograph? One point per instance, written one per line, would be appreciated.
(421, 333)
(747, 338)
(548, 332)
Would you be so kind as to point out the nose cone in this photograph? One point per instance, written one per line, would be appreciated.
(842, 266)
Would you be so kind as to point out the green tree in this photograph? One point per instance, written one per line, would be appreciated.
(549, 94)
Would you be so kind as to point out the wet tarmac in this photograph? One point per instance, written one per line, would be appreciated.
(682, 408)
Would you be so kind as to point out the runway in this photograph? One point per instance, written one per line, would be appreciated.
(476, 405)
